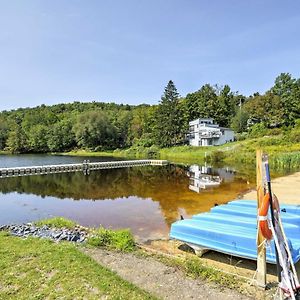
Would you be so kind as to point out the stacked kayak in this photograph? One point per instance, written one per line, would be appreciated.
(232, 229)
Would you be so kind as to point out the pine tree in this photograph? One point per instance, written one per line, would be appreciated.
(168, 127)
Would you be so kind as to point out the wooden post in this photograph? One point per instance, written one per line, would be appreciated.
(261, 249)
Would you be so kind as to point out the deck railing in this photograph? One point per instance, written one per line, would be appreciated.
(85, 166)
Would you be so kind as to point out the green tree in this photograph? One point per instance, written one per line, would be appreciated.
(288, 90)
(266, 109)
(94, 130)
(4, 130)
(212, 102)
(239, 121)
(17, 139)
(61, 136)
(122, 125)
(168, 123)
(37, 138)
(225, 109)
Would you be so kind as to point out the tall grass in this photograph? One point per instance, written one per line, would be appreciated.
(289, 161)
(283, 154)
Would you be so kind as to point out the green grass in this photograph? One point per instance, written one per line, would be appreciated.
(4, 152)
(283, 153)
(193, 267)
(121, 240)
(39, 269)
(90, 153)
(57, 222)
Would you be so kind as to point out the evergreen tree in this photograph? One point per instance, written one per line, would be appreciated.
(167, 131)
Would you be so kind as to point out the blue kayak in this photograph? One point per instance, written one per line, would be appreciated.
(245, 221)
(231, 229)
(289, 208)
(246, 210)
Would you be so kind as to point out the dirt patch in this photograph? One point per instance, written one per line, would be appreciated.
(160, 280)
(286, 189)
(243, 268)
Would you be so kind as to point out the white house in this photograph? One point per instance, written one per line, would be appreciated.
(203, 132)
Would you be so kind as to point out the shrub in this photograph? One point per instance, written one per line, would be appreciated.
(271, 141)
(216, 156)
(294, 135)
(275, 131)
(241, 136)
(152, 152)
(258, 130)
(122, 239)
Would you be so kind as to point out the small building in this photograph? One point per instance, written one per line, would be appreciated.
(203, 132)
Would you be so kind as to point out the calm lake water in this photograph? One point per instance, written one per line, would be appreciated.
(145, 199)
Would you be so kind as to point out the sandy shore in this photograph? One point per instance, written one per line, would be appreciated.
(286, 188)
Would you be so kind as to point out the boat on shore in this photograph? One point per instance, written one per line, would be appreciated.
(232, 229)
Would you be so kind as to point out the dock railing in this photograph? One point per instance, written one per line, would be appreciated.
(85, 166)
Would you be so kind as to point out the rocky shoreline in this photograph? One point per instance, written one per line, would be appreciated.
(78, 234)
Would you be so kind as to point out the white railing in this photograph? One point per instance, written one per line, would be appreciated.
(86, 165)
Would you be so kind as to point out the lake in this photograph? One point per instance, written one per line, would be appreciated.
(145, 199)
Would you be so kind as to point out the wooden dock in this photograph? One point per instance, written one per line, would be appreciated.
(85, 167)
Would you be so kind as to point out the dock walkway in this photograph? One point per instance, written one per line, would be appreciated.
(86, 166)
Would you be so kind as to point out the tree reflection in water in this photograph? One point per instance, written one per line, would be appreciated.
(167, 188)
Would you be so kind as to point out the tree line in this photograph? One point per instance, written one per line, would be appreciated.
(99, 126)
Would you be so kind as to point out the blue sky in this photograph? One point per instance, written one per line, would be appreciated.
(126, 51)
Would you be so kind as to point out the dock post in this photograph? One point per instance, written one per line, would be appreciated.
(86, 167)
(261, 249)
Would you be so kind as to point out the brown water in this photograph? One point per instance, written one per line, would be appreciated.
(145, 199)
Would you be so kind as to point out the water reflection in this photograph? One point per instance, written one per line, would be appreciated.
(204, 177)
(145, 199)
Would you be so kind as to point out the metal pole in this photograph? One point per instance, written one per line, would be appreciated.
(268, 177)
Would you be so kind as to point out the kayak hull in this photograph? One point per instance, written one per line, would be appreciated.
(232, 229)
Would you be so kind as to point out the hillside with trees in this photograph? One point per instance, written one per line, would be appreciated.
(99, 126)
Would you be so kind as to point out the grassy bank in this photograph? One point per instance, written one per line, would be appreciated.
(4, 152)
(57, 222)
(283, 154)
(37, 269)
(121, 239)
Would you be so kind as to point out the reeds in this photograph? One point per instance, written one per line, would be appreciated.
(287, 161)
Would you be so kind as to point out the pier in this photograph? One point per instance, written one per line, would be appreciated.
(85, 167)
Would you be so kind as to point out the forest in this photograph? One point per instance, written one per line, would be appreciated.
(99, 126)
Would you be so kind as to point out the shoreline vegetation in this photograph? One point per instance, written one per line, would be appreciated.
(41, 262)
(283, 155)
(270, 121)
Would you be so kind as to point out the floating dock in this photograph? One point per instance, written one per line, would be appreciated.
(232, 229)
(86, 166)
